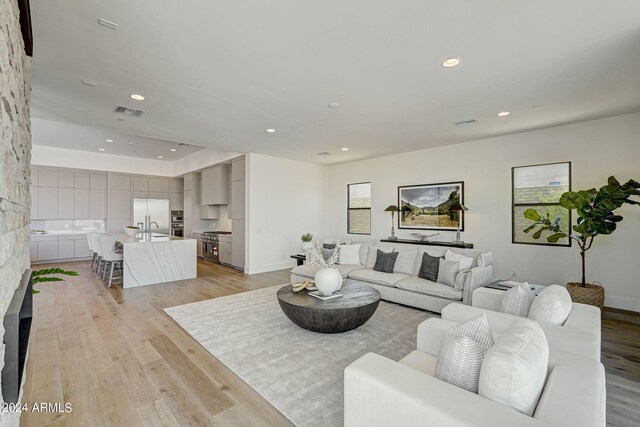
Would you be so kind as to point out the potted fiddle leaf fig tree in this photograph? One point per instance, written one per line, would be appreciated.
(595, 210)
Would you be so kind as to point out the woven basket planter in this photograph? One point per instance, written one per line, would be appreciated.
(590, 294)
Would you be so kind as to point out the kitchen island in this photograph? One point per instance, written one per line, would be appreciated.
(154, 258)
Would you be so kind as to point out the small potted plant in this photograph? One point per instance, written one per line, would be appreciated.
(595, 216)
(307, 242)
(131, 230)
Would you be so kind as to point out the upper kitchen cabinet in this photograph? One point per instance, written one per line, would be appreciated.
(238, 196)
(120, 182)
(237, 169)
(66, 179)
(189, 181)
(83, 180)
(140, 183)
(47, 178)
(158, 185)
(215, 185)
(177, 185)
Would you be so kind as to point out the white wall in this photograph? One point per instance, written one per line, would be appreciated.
(75, 159)
(597, 149)
(285, 200)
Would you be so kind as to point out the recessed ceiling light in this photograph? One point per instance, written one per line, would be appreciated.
(160, 157)
(173, 149)
(451, 62)
(100, 149)
(109, 140)
(345, 149)
(136, 96)
(88, 83)
(108, 24)
(535, 106)
(503, 113)
(270, 130)
(334, 105)
(131, 143)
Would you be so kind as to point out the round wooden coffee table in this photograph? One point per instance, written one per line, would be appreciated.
(354, 308)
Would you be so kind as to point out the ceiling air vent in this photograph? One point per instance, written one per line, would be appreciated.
(131, 112)
(466, 123)
(323, 154)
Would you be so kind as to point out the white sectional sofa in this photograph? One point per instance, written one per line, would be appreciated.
(403, 285)
(382, 392)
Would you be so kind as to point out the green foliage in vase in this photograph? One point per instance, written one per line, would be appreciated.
(40, 276)
(595, 210)
(307, 237)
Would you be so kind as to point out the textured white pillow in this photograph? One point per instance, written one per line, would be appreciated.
(350, 254)
(462, 351)
(515, 367)
(406, 261)
(465, 261)
(517, 300)
(447, 271)
(553, 305)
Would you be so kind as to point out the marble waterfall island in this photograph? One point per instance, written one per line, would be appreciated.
(154, 258)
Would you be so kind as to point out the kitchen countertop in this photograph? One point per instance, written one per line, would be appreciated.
(146, 238)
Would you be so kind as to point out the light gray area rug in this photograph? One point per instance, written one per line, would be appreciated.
(299, 372)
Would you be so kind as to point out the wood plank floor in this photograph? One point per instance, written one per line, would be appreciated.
(120, 360)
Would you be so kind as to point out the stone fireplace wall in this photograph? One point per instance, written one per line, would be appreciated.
(15, 160)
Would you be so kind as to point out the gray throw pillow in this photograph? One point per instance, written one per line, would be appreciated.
(385, 261)
(447, 271)
(462, 352)
(429, 267)
(326, 253)
(328, 246)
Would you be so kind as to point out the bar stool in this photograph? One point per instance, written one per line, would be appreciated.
(94, 253)
(98, 248)
(110, 257)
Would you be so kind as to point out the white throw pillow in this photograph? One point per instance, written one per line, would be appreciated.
(515, 367)
(517, 300)
(350, 254)
(465, 261)
(462, 351)
(406, 261)
(447, 272)
(553, 305)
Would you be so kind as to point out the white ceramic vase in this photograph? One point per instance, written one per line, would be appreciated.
(328, 280)
(306, 245)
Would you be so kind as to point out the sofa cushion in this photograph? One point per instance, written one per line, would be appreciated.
(385, 261)
(373, 254)
(462, 351)
(553, 305)
(308, 270)
(447, 272)
(421, 361)
(427, 287)
(465, 261)
(350, 254)
(429, 267)
(517, 300)
(515, 368)
(377, 277)
(406, 261)
(364, 252)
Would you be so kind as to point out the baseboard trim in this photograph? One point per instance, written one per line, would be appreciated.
(631, 304)
(269, 267)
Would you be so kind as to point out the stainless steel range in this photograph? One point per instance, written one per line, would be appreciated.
(210, 242)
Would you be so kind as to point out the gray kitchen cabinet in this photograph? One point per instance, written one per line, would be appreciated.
(188, 182)
(237, 195)
(120, 204)
(199, 247)
(140, 194)
(209, 212)
(82, 204)
(47, 178)
(66, 179)
(140, 183)
(238, 169)
(81, 180)
(97, 204)
(120, 182)
(81, 249)
(47, 202)
(66, 202)
(158, 185)
(33, 251)
(66, 249)
(177, 185)
(98, 181)
(34, 202)
(237, 244)
(48, 250)
(158, 195)
(177, 201)
(224, 249)
(215, 186)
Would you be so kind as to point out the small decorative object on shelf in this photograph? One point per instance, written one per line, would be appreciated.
(307, 241)
(327, 279)
(424, 237)
(393, 209)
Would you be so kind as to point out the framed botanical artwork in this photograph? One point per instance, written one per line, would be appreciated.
(538, 188)
(427, 207)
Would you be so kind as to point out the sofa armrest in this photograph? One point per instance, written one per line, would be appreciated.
(476, 277)
(460, 313)
(430, 334)
(585, 318)
(381, 392)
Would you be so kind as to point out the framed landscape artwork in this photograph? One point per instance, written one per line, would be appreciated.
(426, 207)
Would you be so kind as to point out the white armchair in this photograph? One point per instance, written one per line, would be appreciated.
(382, 392)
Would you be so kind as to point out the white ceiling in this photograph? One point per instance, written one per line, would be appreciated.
(89, 138)
(217, 74)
